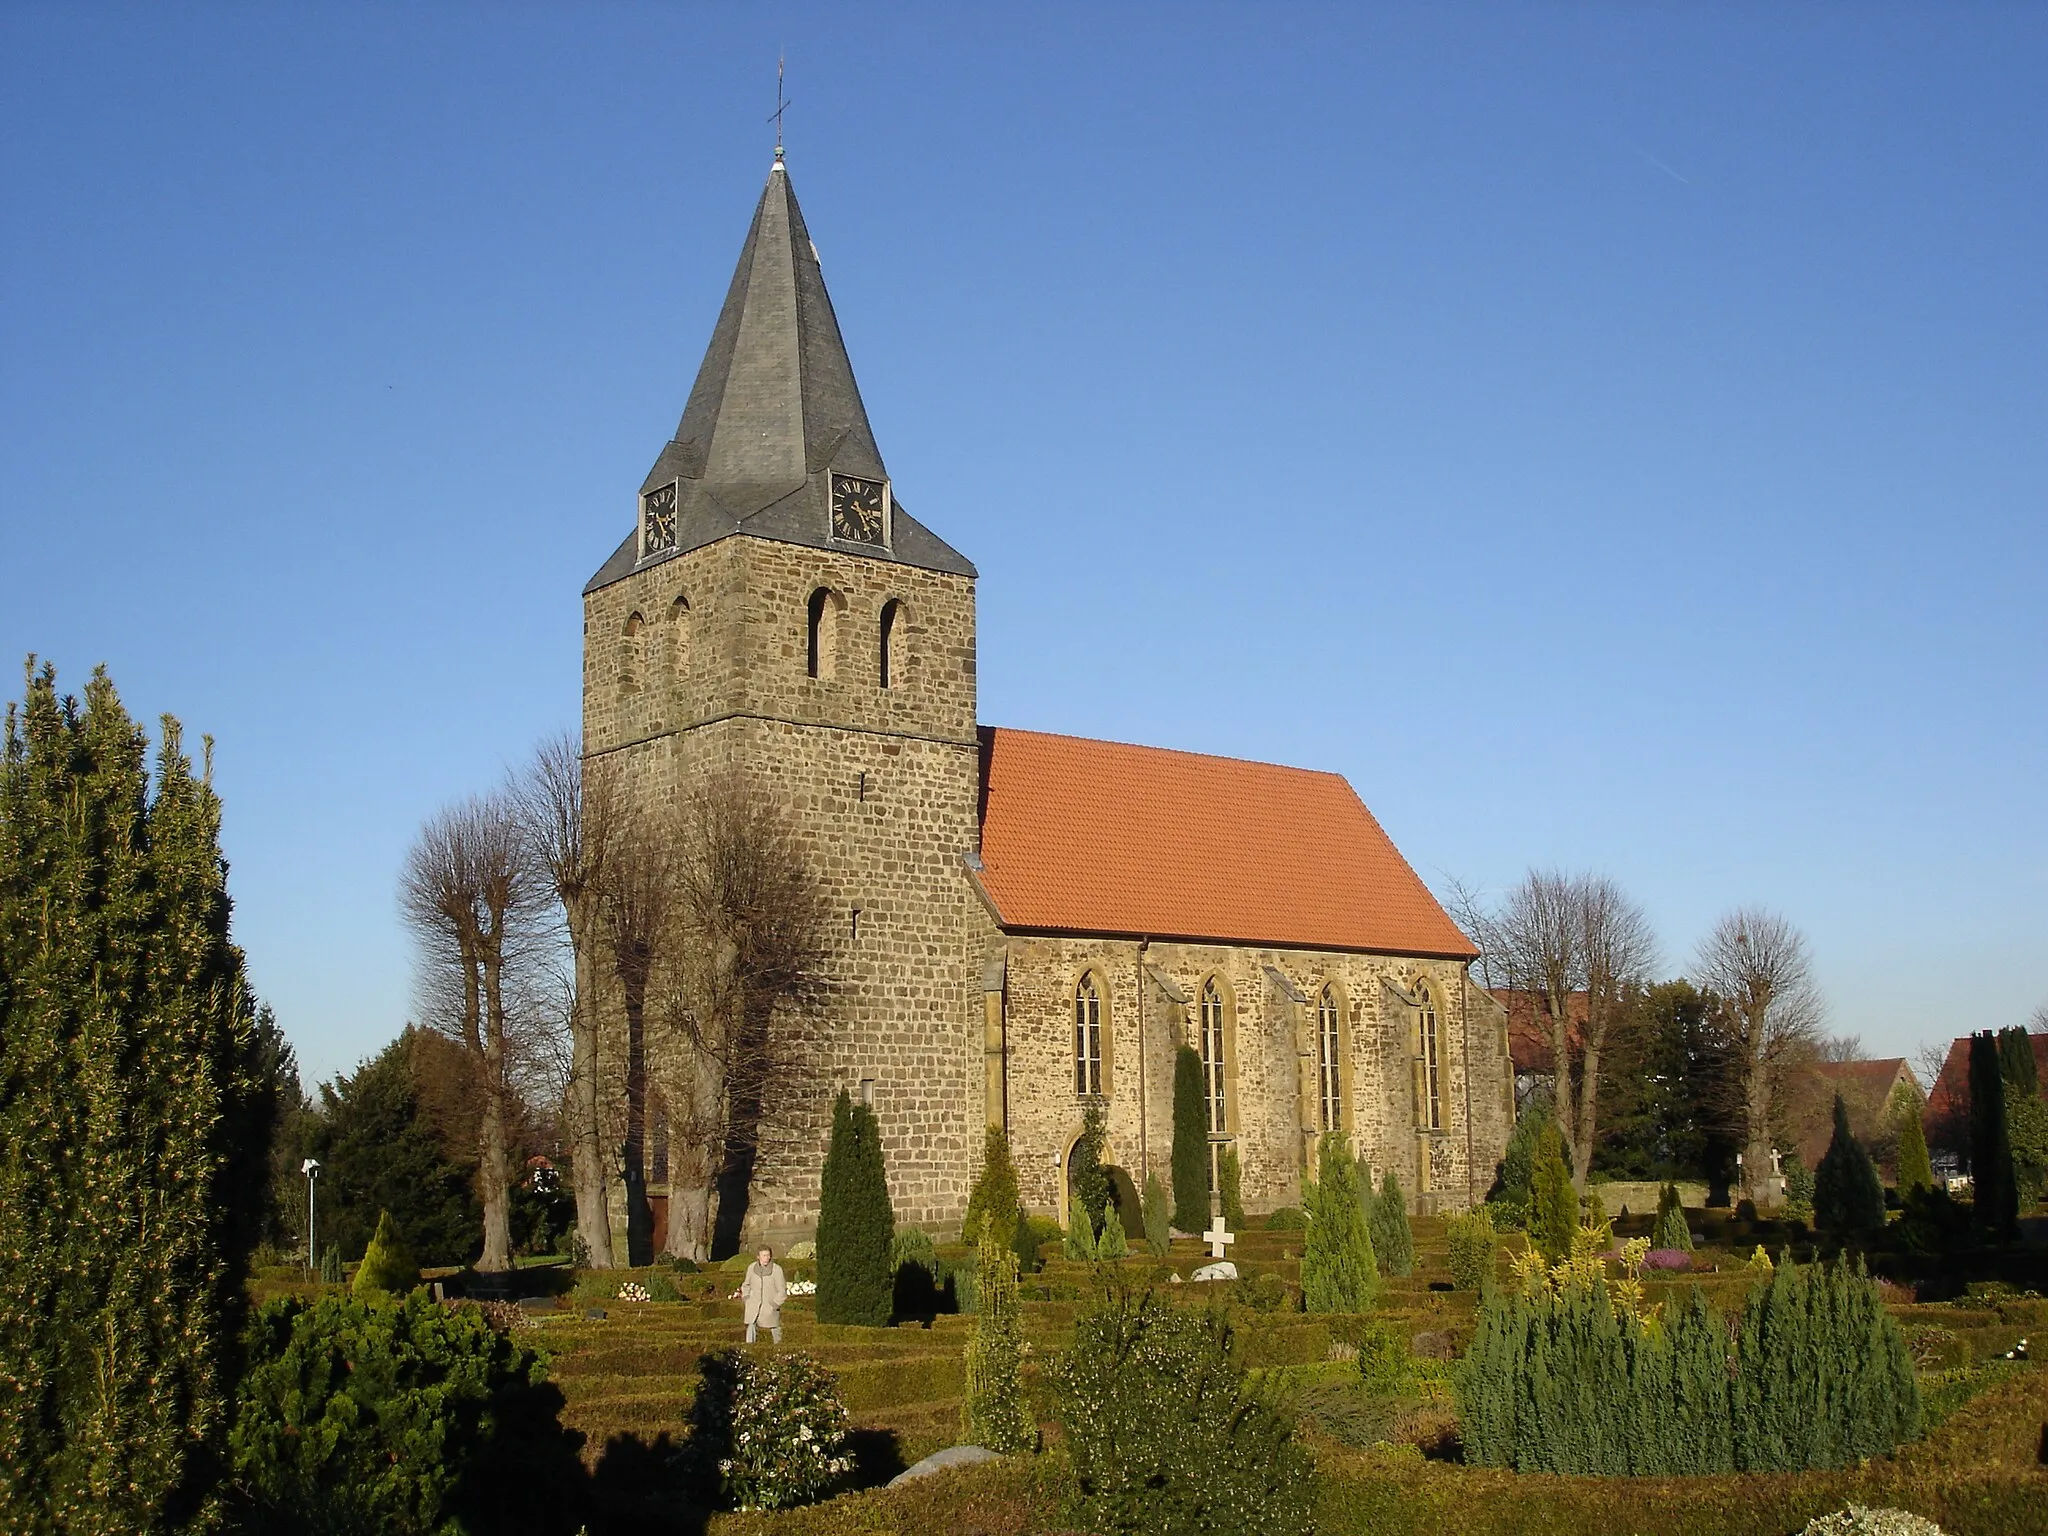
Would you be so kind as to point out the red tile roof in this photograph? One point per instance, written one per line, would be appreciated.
(1085, 836)
(1529, 1026)
(1948, 1101)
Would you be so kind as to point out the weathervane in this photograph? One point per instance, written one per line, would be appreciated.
(781, 106)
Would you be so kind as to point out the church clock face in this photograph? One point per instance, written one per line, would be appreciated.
(860, 509)
(658, 519)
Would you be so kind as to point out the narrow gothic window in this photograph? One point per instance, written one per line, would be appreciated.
(824, 632)
(1212, 1056)
(1087, 1037)
(1330, 1059)
(890, 610)
(1432, 1088)
(629, 654)
(678, 640)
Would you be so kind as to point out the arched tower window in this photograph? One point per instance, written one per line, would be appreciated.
(823, 653)
(1213, 1057)
(1330, 1058)
(1087, 1036)
(678, 638)
(1428, 1063)
(892, 610)
(631, 642)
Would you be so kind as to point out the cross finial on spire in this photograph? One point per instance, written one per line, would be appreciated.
(781, 106)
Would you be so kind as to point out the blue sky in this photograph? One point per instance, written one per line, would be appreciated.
(1612, 436)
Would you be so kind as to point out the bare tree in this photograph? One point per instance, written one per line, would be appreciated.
(1469, 911)
(639, 897)
(1558, 936)
(572, 813)
(1757, 966)
(741, 977)
(473, 897)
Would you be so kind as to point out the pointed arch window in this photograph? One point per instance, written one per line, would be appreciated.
(1211, 1010)
(1428, 1064)
(1087, 1036)
(678, 639)
(631, 642)
(892, 610)
(822, 655)
(1330, 1058)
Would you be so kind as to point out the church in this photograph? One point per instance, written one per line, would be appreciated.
(1023, 923)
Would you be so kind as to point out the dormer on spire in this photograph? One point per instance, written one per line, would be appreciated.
(775, 441)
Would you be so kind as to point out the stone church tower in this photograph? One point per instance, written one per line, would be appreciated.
(1023, 925)
(777, 615)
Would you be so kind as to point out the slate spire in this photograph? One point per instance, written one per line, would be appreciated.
(774, 412)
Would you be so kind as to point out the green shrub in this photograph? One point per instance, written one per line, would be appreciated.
(771, 1426)
(1393, 1240)
(1338, 1271)
(1079, 1238)
(1190, 1142)
(1514, 1188)
(1848, 1199)
(387, 1268)
(1111, 1244)
(1823, 1376)
(1163, 1437)
(661, 1288)
(993, 1412)
(1230, 1187)
(1032, 1237)
(1472, 1242)
(1671, 1230)
(1087, 1174)
(1799, 1179)
(1288, 1218)
(331, 1271)
(1994, 1197)
(1158, 1217)
(409, 1418)
(856, 1227)
(1385, 1365)
(1554, 1204)
(912, 1246)
(995, 1190)
(1916, 1170)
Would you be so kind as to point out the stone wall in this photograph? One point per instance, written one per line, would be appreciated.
(1151, 997)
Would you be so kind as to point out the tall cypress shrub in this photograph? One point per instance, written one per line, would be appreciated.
(1554, 1203)
(856, 1226)
(1230, 1186)
(1916, 1169)
(1514, 1187)
(1393, 1240)
(1671, 1230)
(1848, 1199)
(134, 1130)
(1190, 1143)
(1338, 1269)
(994, 1414)
(1158, 1217)
(1087, 1174)
(1994, 1198)
(995, 1191)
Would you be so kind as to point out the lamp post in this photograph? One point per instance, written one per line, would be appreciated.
(311, 1169)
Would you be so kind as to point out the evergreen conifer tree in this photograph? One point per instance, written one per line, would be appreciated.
(856, 1226)
(2026, 1116)
(1079, 1239)
(388, 1268)
(1230, 1187)
(994, 1415)
(1848, 1198)
(1994, 1198)
(2016, 1063)
(1339, 1272)
(1087, 1175)
(1111, 1243)
(1672, 1231)
(1158, 1217)
(1554, 1204)
(1190, 1143)
(1916, 1169)
(995, 1190)
(1514, 1190)
(134, 1134)
(1393, 1240)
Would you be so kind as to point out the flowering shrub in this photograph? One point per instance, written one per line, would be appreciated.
(633, 1290)
(1668, 1258)
(771, 1426)
(1859, 1521)
(801, 1288)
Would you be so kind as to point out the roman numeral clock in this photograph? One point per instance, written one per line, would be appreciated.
(860, 510)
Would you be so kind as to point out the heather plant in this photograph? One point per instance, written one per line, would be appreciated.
(1230, 1187)
(1472, 1243)
(135, 1123)
(1190, 1142)
(388, 1268)
(1339, 1272)
(1163, 1436)
(404, 1417)
(995, 1189)
(993, 1414)
(771, 1426)
(1158, 1217)
(1671, 1231)
(1848, 1199)
(856, 1226)
(1393, 1240)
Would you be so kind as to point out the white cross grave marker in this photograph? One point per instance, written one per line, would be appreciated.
(1217, 1237)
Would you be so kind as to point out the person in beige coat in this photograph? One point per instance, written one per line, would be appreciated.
(764, 1291)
